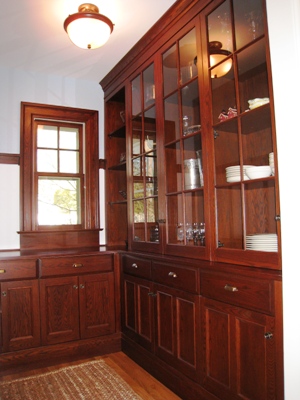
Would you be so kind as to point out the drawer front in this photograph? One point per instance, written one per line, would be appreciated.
(176, 276)
(255, 294)
(137, 266)
(18, 269)
(75, 265)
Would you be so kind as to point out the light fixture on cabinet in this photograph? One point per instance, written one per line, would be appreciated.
(217, 55)
(88, 29)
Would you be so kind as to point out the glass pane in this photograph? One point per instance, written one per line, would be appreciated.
(151, 174)
(47, 136)
(188, 57)
(190, 109)
(58, 201)
(69, 162)
(176, 231)
(172, 127)
(47, 160)
(173, 168)
(249, 21)
(220, 31)
(136, 96)
(149, 87)
(139, 220)
(150, 129)
(193, 175)
(138, 181)
(230, 228)
(69, 138)
(253, 76)
(151, 209)
(170, 70)
(137, 136)
(227, 157)
(223, 97)
(194, 219)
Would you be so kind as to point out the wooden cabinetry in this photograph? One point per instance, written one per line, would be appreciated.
(240, 356)
(199, 114)
(20, 323)
(76, 306)
(161, 311)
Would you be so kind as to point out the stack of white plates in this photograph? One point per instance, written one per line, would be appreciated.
(271, 163)
(233, 173)
(262, 242)
(254, 103)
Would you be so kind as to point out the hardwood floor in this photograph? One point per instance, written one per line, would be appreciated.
(147, 387)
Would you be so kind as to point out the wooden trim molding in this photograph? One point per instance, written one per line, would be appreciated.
(102, 163)
(8, 158)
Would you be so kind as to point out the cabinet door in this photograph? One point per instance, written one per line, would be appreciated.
(59, 309)
(97, 305)
(238, 352)
(184, 147)
(137, 315)
(20, 315)
(242, 135)
(177, 329)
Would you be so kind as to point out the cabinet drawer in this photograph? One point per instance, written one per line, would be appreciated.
(179, 277)
(75, 264)
(18, 269)
(255, 294)
(137, 266)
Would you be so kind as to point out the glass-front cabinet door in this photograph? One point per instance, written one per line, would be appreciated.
(144, 160)
(183, 148)
(243, 132)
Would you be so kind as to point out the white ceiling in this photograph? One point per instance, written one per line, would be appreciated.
(32, 36)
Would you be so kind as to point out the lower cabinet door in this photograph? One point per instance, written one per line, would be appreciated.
(97, 305)
(137, 313)
(59, 309)
(177, 329)
(20, 315)
(238, 352)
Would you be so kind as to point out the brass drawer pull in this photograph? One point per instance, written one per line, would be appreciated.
(2, 271)
(268, 335)
(134, 265)
(172, 274)
(75, 265)
(230, 288)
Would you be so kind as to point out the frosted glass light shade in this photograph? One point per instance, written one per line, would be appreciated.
(88, 29)
(217, 55)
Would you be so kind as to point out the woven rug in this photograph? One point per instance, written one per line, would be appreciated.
(94, 380)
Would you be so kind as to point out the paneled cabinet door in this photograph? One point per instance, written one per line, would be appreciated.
(137, 315)
(97, 305)
(59, 309)
(238, 352)
(177, 329)
(20, 315)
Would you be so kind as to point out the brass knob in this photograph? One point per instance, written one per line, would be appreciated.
(134, 265)
(75, 287)
(79, 265)
(2, 271)
(172, 274)
(4, 294)
(268, 335)
(81, 286)
(230, 288)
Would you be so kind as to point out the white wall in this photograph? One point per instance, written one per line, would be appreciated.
(284, 30)
(16, 86)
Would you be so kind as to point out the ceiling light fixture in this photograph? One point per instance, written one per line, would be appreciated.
(217, 55)
(88, 29)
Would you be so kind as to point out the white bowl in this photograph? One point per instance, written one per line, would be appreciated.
(262, 171)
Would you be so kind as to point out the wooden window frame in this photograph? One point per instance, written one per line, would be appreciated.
(65, 236)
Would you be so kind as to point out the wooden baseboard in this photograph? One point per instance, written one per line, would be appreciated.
(63, 351)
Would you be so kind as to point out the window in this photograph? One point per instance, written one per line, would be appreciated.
(59, 174)
(59, 170)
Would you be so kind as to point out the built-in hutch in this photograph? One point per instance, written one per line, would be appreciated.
(192, 200)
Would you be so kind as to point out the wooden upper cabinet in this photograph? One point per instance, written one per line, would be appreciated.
(201, 157)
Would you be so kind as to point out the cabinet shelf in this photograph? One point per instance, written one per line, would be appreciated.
(118, 133)
(118, 167)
